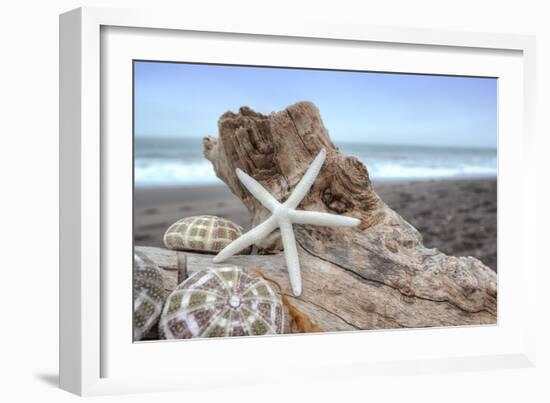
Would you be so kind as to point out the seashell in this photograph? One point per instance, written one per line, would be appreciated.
(203, 233)
(218, 302)
(148, 295)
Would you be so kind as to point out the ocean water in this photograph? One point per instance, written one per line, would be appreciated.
(170, 161)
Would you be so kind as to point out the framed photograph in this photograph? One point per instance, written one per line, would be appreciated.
(321, 200)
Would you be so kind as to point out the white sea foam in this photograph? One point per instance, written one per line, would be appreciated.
(151, 173)
(385, 171)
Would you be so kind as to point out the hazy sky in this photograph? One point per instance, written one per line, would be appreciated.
(186, 100)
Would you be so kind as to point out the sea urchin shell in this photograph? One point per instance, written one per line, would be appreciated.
(218, 302)
(204, 233)
(148, 295)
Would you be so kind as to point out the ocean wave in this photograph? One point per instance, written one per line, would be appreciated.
(159, 172)
(382, 171)
(155, 173)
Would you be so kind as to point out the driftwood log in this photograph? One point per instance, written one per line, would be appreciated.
(376, 276)
(379, 275)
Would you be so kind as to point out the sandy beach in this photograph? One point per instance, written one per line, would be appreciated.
(458, 217)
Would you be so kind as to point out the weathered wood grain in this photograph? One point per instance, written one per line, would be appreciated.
(336, 299)
(379, 275)
(172, 265)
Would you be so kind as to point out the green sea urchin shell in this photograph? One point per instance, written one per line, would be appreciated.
(148, 295)
(227, 301)
(204, 233)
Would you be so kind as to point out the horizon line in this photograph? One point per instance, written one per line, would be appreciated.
(433, 145)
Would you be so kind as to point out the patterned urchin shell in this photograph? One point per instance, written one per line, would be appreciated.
(227, 301)
(204, 233)
(148, 294)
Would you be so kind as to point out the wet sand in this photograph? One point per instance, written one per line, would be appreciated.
(458, 217)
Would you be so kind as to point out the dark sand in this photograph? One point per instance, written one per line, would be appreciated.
(458, 217)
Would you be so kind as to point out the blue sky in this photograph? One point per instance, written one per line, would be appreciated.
(186, 100)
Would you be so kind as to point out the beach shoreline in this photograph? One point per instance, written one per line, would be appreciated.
(455, 215)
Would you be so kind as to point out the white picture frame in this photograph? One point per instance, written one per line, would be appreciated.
(97, 357)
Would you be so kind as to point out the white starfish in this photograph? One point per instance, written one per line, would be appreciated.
(284, 215)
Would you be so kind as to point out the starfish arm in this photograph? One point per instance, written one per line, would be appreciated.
(324, 219)
(307, 180)
(257, 190)
(291, 256)
(244, 241)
